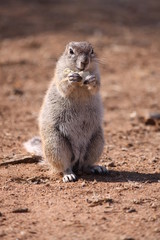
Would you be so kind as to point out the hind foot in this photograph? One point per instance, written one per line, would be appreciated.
(96, 169)
(71, 177)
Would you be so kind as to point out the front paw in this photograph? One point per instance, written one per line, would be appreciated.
(74, 77)
(90, 79)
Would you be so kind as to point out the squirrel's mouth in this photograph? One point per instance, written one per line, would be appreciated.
(81, 66)
(81, 69)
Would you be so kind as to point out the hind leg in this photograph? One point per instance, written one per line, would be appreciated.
(93, 152)
(58, 152)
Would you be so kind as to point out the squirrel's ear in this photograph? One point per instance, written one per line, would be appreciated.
(66, 49)
(67, 46)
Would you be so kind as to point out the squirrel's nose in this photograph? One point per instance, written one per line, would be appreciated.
(84, 61)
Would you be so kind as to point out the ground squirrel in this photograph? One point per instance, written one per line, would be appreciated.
(70, 120)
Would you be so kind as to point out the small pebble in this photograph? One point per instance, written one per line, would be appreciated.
(20, 210)
(133, 115)
(130, 145)
(83, 184)
(111, 164)
(124, 149)
(130, 210)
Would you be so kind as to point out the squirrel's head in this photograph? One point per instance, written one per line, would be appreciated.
(80, 55)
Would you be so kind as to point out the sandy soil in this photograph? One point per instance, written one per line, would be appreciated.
(125, 204)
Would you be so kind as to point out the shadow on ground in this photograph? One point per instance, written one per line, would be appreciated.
(124, 176)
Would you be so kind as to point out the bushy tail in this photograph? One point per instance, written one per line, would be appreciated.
(34, 146)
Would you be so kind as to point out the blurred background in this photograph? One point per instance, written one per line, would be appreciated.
(21, 18)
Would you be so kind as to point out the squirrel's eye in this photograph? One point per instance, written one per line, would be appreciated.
(92, 52)
(71, 51)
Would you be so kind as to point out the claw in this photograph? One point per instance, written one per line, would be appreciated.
(97, 170)
(74, 77)
(90, 79)
(69, 178)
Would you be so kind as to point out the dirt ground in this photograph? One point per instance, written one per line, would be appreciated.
(125, 204)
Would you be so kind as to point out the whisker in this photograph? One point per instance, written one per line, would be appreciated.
(100, 61)
(104, 61)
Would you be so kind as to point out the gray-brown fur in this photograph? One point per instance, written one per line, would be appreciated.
(70, 119)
